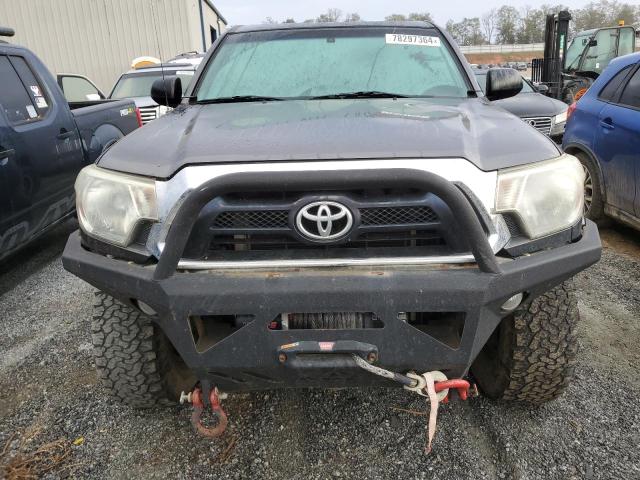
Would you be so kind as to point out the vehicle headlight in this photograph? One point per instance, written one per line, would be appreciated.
(560, 118)
(558, 123)
(111, 204)
(547, 197)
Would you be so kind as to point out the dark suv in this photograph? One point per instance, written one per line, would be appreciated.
(325, 194)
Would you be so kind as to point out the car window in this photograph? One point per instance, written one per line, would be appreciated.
(78, 89)
(319, 62)
(611, 88)
(18, 103)
(599, 56)
(133, 85)
(574, 52)
(38, 96)
(631, 93)
(625, 45)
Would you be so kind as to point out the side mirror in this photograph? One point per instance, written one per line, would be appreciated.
(503, 83)
(542, 88)
(167, 91)
(593, 42)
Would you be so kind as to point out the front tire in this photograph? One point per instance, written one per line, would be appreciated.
(593, 197)
(531, 355)
(135, 361)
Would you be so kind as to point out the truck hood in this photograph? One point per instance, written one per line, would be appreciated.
(315, 130)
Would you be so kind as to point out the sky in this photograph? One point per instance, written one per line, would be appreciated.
(238, 12)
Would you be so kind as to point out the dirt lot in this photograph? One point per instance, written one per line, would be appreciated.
(49, 393)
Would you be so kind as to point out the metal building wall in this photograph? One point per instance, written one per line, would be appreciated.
(99, 38)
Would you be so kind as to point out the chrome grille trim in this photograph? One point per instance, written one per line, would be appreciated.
(148, 114)
(171, 194)
(542, 124)
(324, 262)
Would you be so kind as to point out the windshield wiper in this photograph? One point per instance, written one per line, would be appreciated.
(363, 94)
(241, 98)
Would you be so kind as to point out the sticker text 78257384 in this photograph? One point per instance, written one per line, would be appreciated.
(419, 40)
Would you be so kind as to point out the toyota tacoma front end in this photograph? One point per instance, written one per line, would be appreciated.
(325, 191)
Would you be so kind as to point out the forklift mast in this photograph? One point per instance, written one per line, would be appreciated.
(548, 70)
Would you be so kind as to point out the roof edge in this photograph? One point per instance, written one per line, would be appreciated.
(316, 25)
(213, 7)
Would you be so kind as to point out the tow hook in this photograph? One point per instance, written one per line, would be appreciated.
(195, 398)
(459, 384)
(433, 385)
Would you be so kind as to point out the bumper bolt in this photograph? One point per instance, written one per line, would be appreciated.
(372, 357)
(282, 357)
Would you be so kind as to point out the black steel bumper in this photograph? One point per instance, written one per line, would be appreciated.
(249, 358)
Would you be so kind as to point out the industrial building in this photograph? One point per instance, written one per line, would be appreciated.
(99, 38)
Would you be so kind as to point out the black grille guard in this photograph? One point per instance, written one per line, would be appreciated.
(463, 212)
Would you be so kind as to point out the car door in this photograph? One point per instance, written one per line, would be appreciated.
(47, 153)
(7, 153)
(628, 123)
(78, 89)
(617, 145)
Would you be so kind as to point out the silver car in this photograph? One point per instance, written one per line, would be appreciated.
(136, 83)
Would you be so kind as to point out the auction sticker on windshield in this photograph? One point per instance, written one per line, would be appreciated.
(420, 40)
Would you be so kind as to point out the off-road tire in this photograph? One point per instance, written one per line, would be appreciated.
(596, 210)
(531, 355)
(135, 361)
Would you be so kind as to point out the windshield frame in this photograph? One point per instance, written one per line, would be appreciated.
(468, 79)
(580, 57)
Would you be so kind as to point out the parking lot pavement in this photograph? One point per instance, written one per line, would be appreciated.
(49, 393)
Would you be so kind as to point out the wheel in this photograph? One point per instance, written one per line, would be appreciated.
(530, 357)
(134, 359)
(593, 198)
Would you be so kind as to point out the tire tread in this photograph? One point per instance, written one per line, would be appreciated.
(125, 352)
(544, 347)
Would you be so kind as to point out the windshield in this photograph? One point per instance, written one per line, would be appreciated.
(482, 81)
(574, 51)
(306, 63)
(133, 85)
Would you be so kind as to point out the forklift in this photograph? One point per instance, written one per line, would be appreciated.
(569, 68)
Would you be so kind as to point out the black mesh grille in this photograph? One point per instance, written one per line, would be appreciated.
(512, 225)
(397, 216)
(258, 225)
(259, 219)
(142, 234)
(255, 219)
(263, 242)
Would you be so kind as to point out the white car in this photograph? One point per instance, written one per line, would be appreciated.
(136, 83)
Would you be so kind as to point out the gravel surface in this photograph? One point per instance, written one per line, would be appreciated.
(49, 392)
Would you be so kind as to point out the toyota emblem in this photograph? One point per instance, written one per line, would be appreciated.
(324, 221)
(532, 123)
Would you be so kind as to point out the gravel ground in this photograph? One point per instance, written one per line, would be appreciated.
(49, 392)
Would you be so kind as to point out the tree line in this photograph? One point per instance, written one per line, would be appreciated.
(507, 24)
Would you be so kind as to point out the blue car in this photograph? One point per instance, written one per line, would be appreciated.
(603, 131)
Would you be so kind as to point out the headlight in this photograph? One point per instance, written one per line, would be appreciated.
(111, 204)
(547, 197)
(561, 118)
(558, 123)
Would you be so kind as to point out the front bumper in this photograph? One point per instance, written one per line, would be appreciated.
(248, 358)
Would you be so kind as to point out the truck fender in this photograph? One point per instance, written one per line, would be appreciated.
(103, 138)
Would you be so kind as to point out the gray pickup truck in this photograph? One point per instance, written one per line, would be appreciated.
(44, 142)
(333, 205)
